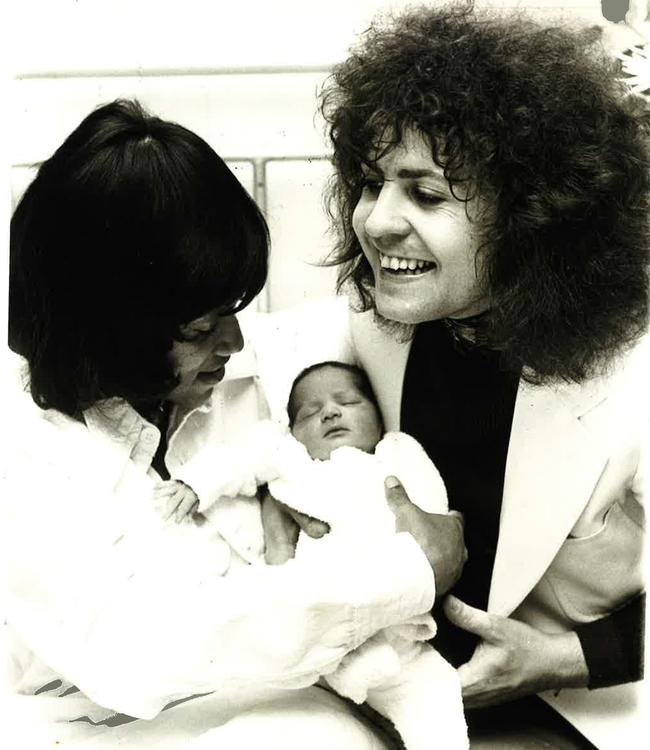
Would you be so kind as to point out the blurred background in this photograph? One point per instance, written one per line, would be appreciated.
(244, 74)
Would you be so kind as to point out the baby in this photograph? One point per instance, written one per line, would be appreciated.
(332, 466)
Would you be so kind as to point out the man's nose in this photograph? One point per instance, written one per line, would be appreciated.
(229, 339)
(386, 220)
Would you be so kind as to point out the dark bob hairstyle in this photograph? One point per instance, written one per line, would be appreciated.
(361, 380)
(534, 121)
(133, 227)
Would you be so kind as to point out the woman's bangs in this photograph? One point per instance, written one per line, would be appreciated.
(223, 270)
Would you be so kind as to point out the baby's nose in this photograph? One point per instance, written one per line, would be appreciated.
(330, 411)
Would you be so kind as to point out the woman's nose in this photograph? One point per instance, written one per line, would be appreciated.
(229, 339)
(386, 219)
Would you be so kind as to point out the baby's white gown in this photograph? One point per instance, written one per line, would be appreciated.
(396, 671)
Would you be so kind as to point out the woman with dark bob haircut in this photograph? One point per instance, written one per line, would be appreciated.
(132, 229)
(130, 253)
(491, 195)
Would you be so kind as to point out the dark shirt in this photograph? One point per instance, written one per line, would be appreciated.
(458, 402)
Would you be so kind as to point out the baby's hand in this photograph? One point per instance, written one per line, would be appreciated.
(175, 499)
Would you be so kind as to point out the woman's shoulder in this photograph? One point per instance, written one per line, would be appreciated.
(29, 429)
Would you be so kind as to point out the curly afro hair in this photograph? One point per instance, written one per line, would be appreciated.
(533, 120)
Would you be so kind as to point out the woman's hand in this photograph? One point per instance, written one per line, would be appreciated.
(440, 536)
(513, 659)
(174, 499)
(281, 527)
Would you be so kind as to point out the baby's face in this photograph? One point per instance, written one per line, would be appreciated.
(331, 411)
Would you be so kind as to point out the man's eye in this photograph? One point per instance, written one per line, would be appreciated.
(371, 185)
(430, 197)
(426, 197)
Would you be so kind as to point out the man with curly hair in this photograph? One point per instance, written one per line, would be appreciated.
(492, 192)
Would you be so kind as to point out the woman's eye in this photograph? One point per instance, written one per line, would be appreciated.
(195, 335)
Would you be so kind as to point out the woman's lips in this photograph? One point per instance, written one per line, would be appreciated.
(211, 377)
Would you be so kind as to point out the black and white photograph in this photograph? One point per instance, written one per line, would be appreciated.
(327, 375)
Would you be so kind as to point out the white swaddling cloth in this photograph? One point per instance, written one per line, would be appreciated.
(395, 671)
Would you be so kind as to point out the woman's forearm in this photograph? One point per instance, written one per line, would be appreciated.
(136, 614)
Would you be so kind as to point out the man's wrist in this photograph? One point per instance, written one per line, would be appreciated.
(570, 666)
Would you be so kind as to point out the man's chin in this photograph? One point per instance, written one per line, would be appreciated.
(401, 332)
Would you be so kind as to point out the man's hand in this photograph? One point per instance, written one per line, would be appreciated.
(439, 536)
(281, 527)
(513, 659)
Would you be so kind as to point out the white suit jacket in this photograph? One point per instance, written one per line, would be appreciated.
(570, 538)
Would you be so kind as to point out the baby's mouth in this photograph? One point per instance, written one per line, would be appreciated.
(336, 431)
(404, 266)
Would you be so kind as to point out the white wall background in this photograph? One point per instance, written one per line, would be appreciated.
(242, 73)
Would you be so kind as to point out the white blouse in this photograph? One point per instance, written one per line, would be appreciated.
(103, 596)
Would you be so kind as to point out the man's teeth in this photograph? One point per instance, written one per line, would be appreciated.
(404, 264)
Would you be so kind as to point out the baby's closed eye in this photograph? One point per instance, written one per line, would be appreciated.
(306, 412)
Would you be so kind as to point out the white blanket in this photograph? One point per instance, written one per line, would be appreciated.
(395, 671)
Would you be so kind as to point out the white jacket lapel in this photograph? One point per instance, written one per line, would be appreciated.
(384, 358)
(552, 467)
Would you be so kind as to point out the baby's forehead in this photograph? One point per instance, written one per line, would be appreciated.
(324, 380)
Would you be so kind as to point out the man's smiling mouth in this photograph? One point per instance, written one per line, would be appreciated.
(406, 266)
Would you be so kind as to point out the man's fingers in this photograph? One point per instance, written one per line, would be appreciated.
(396, 496)
(311, 526)
(472, 676)
(278, 554)
(278, 524)
(468, 681)
(457, 514)
(461, 520)
(280, 532)
(469, 618)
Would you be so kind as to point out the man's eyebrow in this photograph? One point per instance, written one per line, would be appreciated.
(414, 174)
